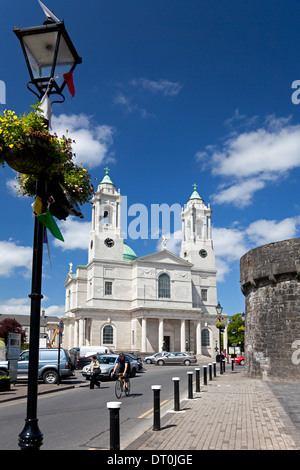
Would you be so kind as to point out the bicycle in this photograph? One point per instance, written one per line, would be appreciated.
(120, 387)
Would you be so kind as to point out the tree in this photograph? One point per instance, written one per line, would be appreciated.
(236, 330)
(10, 325)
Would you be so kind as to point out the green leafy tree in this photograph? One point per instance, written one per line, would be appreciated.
(236, 330)
(10, 325)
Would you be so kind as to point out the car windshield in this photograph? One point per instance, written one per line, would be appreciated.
(106, 359)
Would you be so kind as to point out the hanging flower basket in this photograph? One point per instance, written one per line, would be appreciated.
(34, 158)
(27, 146)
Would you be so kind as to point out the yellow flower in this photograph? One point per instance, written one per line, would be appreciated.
(11, 146)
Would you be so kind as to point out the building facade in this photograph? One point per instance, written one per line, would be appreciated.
(149, 303)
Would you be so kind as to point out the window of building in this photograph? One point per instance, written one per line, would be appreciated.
(164, 290)
(108, 334)
(108, 288)
(204, 294)
(205, 337)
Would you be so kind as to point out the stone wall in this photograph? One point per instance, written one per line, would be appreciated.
(270, 281)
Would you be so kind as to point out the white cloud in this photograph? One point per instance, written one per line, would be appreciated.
(166, 87)
(14, 257)
(76, 234)
(264, 231)
(92, 142)
(250, 160)
(15, 306)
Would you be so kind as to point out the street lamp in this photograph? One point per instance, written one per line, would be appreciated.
(49, 55)
(219, 310)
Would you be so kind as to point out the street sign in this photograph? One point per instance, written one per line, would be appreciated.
(61, 326)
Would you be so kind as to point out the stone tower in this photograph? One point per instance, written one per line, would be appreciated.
(270, 281)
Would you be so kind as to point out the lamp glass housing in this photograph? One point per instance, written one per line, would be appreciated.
(49, 54)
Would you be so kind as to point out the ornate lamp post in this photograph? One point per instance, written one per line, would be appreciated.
(50, 56)
(219, 310)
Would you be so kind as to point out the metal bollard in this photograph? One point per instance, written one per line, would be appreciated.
(114, 420)
(156, 407)
(210, 371)
(176, 393)
(190, 385)
(197, 369)
(232, 364)
(224, 362)
(215, 369)
(221, 366)
(205, 375)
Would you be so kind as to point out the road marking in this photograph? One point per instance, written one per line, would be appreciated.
(163, 403)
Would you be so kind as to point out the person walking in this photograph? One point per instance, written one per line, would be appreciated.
(94, 369)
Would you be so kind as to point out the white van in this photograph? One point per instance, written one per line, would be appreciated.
(90, 350)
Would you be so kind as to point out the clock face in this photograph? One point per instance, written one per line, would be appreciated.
(203, 253)
(109, 242)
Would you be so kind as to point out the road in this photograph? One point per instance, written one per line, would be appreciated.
(78, 419)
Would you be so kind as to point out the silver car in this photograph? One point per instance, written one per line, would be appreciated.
(107, 364)
(151, 359)
(176, 358)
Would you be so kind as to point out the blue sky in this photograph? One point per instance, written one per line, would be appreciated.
(169, 93)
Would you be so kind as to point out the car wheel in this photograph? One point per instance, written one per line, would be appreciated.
(187, 362)
(50, 377)
(148, 361)
(242, 362)
(160, 363)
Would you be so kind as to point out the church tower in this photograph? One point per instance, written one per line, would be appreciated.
(106, 242)
(197, 244)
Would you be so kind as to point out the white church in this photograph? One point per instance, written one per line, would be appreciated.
(157, 302)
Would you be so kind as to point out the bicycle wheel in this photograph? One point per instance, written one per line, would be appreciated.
(127, 388)
(118, 389)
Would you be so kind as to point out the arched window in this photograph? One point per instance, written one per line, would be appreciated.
(164, 290)
(205, 337)
(108, 334)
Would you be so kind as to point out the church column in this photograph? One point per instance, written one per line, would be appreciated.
(144, 334)
(198, 338)
(75, 338)
(81, 332)
(182, 335)
(160, 334)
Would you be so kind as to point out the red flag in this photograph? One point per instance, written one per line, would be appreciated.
(69, 81)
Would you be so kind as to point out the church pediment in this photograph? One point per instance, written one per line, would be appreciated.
(165, 257)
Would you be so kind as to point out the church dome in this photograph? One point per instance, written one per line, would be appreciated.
(128, 253)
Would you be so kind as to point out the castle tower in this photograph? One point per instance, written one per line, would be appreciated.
(106, 240)
(197, 244)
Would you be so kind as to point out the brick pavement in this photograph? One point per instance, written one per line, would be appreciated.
(232, 412)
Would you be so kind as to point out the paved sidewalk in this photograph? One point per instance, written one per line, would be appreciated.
(232, 412)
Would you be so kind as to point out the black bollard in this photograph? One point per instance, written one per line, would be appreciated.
(210, 371)
(224, 362)
(197, 369)
(232, 364)
(215, 369)
(156, 407)
(190, 385)
(176, 393)
(114, 420)
(205, 375)
(221, 366)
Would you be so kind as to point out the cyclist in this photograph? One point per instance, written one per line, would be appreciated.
(123, 366)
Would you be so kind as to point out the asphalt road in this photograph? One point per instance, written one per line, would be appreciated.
(78, 419)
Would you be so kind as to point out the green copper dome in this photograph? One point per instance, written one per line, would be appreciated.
(195, 194)
(106, 178)
(128, 253)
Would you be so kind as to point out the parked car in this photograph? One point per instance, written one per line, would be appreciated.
(176, 358)
(48, 365)
(107, 364)
(151, 359)
(239, 360)
(136, 358)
